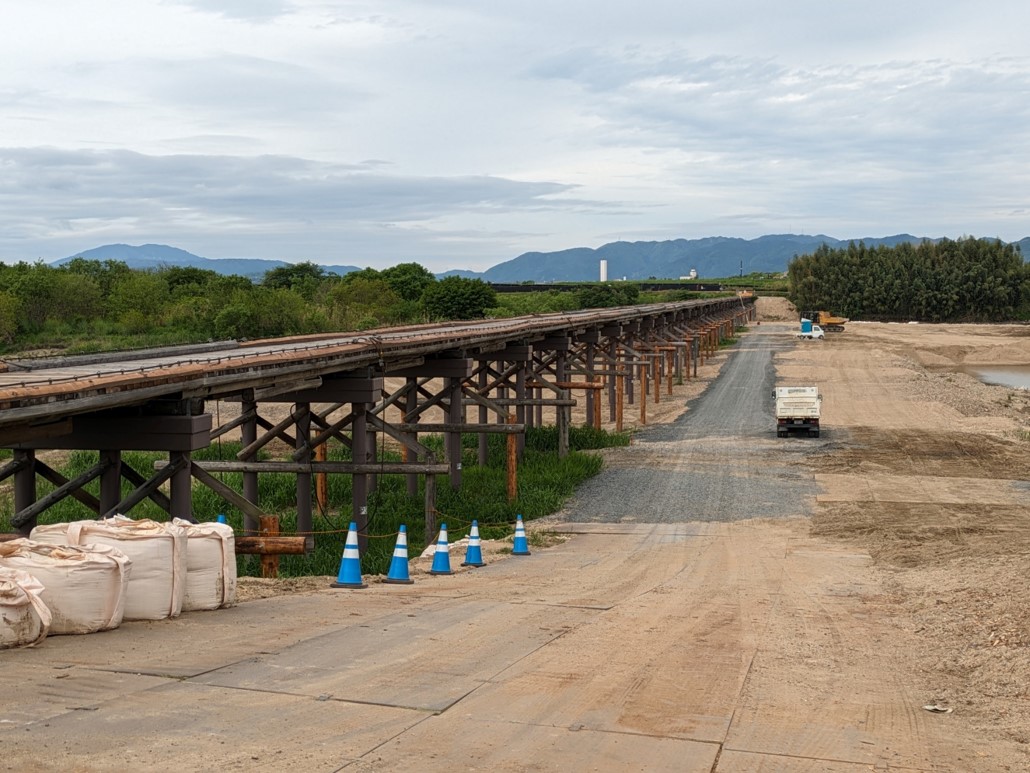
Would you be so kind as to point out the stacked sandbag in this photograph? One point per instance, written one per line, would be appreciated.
(157, 582)
(210, 565)
(24, 618)
(85, 586)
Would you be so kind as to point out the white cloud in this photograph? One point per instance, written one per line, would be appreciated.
(266, 203)
(245, 128)
(255, 10)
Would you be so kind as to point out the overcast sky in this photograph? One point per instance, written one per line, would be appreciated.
(460, 133)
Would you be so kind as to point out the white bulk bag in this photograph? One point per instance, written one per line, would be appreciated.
(157, 582)
(24, 618)
(85, 586)
(210, 565)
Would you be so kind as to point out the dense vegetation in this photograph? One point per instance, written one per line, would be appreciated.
(969, 280)
(112, 306)
(89, 305)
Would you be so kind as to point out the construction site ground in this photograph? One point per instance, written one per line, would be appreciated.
(726, 601)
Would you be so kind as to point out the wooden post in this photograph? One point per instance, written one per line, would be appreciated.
(321, 481)
(628, 379)
(302, 416)
(248, 436)
(483, 416)
(619, 389)
(359, 482)
(613, 367)
(110, 480)
(562, 413)
(643, 393)
(655, 363)
(668, 370)
(513, 462)
(452, 440)
(180, 487)
(25, 487)
(269, 526)
(410, 406)
(520, 408)
(597, 403)
(371, 454)
(430, 508)
(590, 397)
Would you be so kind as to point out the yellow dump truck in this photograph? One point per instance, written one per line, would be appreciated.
(826, 320)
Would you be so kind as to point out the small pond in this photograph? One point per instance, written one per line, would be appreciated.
(1014, 376)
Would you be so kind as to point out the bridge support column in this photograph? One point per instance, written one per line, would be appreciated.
(520, 408)
(180, 501)
(627, 366)
(483, 380)
(248, 435)
(110, 480)
(411, 414)
(359, 481)
(562, 413)
(302, 441)
(25, 486)
(455, 415)
(591, 395)
(371, 455)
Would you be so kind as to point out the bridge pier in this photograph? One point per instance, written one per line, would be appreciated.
(248, 436)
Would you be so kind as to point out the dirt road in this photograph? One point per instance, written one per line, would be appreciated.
(728, 602)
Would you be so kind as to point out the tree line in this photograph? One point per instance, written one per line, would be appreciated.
(114, 305)
(964, 280)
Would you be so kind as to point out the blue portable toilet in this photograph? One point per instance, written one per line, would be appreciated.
(806, 325)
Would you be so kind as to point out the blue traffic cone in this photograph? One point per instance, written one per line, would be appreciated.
(398, 574)
(474, 553)
(350, 564)
(521, 545)
(221, 518)
(442, 556)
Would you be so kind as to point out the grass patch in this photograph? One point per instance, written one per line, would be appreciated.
(545, 483)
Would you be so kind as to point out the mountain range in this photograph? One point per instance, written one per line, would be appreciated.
(147, 256)
(711, 257)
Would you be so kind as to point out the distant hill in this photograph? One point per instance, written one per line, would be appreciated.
(711, 257)
(460, 272)
(157, 255)
(717, 256)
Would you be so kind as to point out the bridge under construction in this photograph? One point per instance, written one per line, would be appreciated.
(492, 376)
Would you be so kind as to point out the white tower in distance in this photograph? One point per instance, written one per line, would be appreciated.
(604, 270)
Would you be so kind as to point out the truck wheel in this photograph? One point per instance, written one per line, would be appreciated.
(781, 434)
(813, 433)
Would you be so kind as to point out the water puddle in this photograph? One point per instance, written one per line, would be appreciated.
(1013, 376)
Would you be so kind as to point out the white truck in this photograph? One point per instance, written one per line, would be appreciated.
(811, 331)
(797, 410)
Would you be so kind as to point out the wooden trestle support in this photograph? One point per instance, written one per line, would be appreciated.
(509, 389)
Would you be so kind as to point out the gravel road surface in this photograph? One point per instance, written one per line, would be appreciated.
(720, 461)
